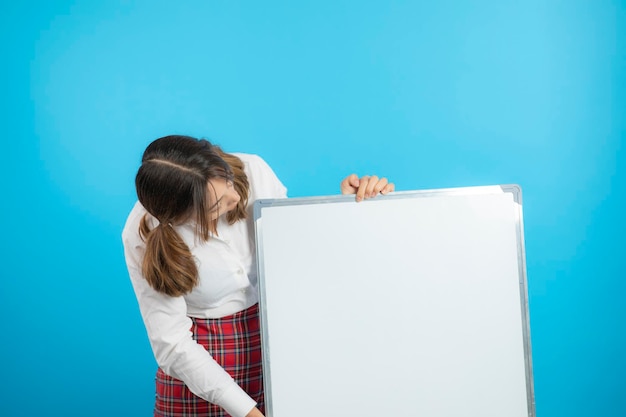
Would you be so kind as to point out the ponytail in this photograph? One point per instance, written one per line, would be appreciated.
(168, 265)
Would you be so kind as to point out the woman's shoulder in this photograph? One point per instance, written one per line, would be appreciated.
(263, 180)
(255, 166)
(250, 158)
(131, 227)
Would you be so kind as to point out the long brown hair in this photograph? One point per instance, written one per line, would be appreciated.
(241, 184)
(172, 185)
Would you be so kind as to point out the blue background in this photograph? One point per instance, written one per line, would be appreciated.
(430, 94)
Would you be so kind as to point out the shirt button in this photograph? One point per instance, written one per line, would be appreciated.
(240, 271)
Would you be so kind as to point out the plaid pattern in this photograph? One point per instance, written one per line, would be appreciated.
(235, 343)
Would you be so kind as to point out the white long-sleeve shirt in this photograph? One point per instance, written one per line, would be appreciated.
(226, 285)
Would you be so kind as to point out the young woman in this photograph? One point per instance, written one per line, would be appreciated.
(189, 248)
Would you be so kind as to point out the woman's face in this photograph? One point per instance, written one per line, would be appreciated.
(224, 195)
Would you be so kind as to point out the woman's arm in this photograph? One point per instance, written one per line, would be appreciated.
(180, 356)
(169, 332)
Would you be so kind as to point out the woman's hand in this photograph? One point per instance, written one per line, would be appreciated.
(255, 412)
(366, 186)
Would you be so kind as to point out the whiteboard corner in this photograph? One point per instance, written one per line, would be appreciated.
(515, 190)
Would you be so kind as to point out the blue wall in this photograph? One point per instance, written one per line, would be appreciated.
(431, 94)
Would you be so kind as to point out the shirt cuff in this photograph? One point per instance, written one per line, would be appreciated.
(236, 402)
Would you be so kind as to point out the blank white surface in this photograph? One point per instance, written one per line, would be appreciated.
(395, 306)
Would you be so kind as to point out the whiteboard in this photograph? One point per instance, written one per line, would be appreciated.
(410, 304)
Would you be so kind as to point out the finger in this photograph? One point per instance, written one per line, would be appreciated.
(349, 184)
(371, 184)
(360, 192)
(389, 188)
(379, 186)
(354, 180)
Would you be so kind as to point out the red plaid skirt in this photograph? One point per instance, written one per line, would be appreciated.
(235, 343)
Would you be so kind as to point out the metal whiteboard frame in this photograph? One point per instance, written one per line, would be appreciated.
(513, 189)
